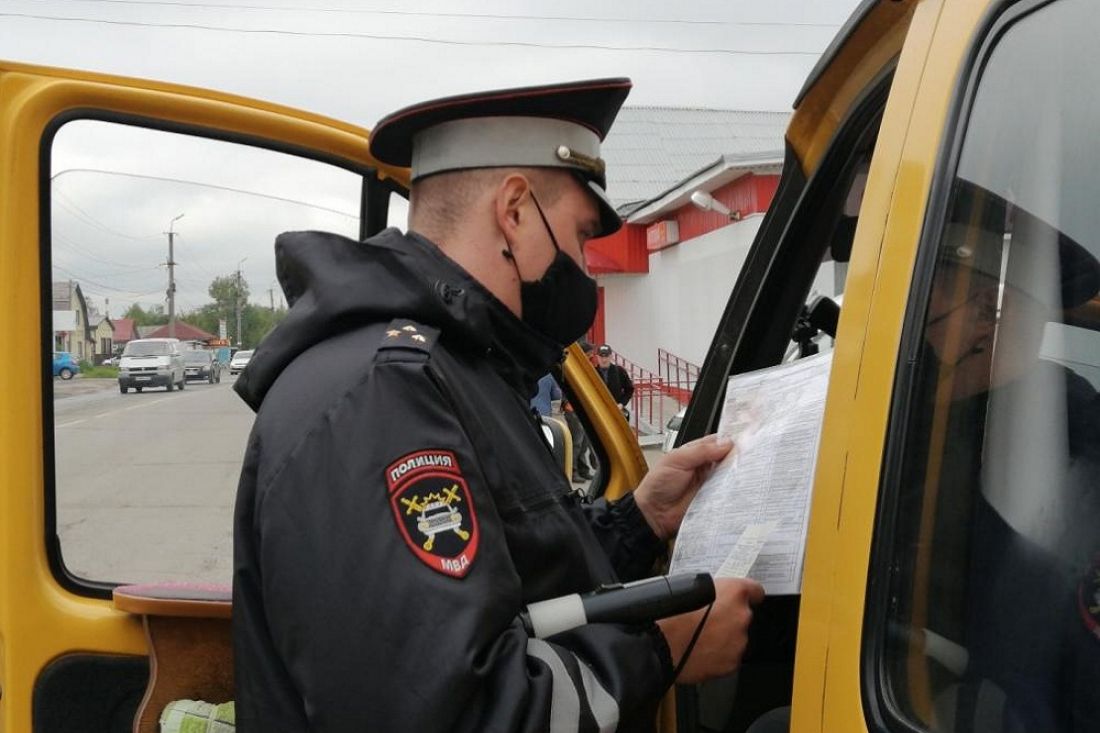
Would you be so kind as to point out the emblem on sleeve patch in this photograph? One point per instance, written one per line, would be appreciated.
(1088, 598)
(434, 510)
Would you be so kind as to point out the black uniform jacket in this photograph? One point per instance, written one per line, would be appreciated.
(398, 507)
(618, 383)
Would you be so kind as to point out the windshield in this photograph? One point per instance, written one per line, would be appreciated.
(242, 355)
(197, 357)
(147, 348)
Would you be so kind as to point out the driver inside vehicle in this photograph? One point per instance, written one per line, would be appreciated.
(1003, 610)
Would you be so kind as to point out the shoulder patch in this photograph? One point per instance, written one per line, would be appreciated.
(402, 333)
(434, 510)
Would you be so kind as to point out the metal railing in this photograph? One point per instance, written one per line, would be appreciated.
(679, 375)
(647, 403)
(657, 397)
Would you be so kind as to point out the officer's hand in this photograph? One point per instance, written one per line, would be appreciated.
(664, 494)
(720, 646)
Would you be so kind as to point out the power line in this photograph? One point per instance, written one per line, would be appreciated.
(115, 298)
(80, 213)
(202, 267)
(192, 282)
(413, 39)
(73, 275)
(169, 179)
(472, 16)
(124, 273)
(79, 249)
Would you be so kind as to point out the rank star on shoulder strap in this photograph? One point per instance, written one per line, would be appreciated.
(401, 333)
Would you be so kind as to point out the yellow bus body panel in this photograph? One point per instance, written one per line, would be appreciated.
(40, 620)
(828, 684)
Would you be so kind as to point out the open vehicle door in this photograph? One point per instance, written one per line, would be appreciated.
(103, 181)
(941, 173)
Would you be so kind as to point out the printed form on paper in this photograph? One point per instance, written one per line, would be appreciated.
(750, 517)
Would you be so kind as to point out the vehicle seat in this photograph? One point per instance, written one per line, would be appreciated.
(188, 629)
(777, 720)
(561, 443)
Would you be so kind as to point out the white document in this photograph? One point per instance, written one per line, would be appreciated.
(750, 517)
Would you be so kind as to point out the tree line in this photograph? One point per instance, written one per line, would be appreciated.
(225, 292)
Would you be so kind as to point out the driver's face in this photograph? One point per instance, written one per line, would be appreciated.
(961, 326)
(962, 315)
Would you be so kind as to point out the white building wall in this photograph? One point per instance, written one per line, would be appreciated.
(677, 305)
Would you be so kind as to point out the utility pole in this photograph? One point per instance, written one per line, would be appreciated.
(237, 301)
(271, 296)
(240, 341)
(172, 278)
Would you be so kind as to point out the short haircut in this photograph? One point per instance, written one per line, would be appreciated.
(438, 203)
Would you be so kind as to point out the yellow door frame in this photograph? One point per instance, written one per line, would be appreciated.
(828, 684)
(40, 620)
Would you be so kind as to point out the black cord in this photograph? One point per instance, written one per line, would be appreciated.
(691, 644)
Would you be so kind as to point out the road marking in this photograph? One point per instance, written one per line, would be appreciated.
(114, 412)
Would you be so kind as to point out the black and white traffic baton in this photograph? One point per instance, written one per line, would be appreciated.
(640, 602)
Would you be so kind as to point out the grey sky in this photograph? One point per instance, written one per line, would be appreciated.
(360, 79)
(332, 57)
(116, 188)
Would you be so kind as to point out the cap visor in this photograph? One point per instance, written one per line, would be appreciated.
(610, 221)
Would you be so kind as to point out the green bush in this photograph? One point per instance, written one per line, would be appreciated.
(102, 372)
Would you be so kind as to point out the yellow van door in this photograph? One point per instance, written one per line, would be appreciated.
(950, 571)
(981, 605)
(119, 193)
(136, 210)
(846, 135)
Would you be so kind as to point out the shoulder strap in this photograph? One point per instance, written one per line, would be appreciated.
(405, 335)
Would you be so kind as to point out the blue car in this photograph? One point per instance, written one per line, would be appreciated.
(64, 365)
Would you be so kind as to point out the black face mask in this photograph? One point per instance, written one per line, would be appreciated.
(561, 304)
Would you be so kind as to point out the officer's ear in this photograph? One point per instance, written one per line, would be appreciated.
(511, 194)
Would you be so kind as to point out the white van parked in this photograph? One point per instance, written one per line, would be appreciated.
(151, 363)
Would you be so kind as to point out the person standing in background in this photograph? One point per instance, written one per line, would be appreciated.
(615, 377)
(548, 391)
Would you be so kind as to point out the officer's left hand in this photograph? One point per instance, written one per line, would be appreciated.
(664, 494)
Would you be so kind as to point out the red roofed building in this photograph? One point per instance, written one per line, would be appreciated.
(124, 332)
(664, 278)
(184, 332)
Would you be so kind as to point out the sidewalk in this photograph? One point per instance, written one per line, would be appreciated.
(79, 385)
(652, 454)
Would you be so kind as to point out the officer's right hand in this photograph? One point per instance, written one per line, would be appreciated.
(720, 646)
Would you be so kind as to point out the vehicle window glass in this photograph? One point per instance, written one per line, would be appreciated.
(993, 621)
(587, 478)
(398, 210)
(815, 330)
(162, 235)
(806, 254)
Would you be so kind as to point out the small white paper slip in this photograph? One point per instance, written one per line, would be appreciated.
(743, 555)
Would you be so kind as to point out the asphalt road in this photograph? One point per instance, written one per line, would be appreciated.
(146, 482)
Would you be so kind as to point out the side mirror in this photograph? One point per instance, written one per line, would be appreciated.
(824, 313)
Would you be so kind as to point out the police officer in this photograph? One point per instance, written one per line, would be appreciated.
(398, 507)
